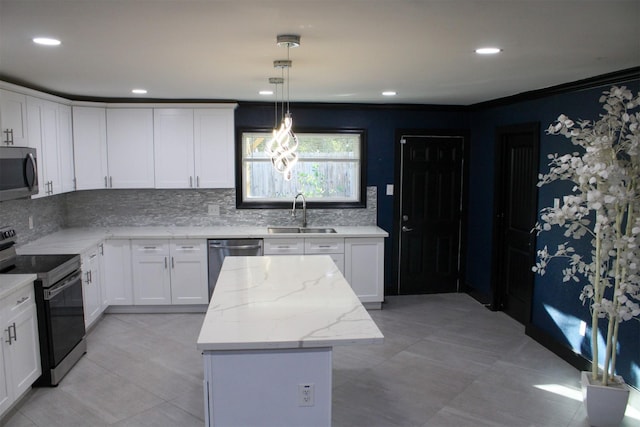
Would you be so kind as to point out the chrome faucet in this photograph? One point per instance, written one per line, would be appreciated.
(304, 208)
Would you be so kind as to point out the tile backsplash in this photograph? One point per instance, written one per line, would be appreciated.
(106, 208)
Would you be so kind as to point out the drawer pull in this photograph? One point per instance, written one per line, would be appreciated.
(150, 248)
(21, 300)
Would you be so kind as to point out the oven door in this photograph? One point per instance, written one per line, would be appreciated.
(64, 313)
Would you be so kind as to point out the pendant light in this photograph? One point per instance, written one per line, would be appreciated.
(284, 143)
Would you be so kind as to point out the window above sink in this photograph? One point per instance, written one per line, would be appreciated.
(330, 171)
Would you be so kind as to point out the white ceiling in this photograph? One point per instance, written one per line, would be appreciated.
(350, 51)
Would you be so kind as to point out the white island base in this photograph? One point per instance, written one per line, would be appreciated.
(267, 340)
(264, 387)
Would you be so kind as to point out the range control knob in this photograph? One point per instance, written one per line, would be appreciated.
(5, 234)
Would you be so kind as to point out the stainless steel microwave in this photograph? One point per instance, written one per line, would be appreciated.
(18, 173)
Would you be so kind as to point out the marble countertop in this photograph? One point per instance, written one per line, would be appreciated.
(79, 240)
(284, 302)
(12, 282)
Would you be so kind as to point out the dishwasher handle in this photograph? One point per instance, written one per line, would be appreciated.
(241, 247)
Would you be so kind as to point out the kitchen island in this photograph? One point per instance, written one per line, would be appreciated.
(267, 340)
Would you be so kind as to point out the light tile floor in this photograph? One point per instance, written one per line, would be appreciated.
(446, 361)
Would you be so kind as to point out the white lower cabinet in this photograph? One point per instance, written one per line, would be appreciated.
(93, 295)
(118, 279)
(364, 267)
(332, 247)
(360, 259)
(189, 278)
(169, 272)
(19, 347)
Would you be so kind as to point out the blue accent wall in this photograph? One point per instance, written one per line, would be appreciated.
(556, 310)
(381, 124)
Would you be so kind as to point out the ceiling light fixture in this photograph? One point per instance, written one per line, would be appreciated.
(284, 143)
(488, 50)
(265, 92)
(139, 91)
(389, 93)
(46, 41)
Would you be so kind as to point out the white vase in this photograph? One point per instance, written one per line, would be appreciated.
(605, 405)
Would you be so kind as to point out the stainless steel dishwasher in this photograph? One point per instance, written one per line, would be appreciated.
(219, 249)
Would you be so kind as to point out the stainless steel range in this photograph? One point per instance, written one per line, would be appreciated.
(58, 290)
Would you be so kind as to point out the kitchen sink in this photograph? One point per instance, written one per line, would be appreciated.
(317, 230)
(278, 230)
(290, 230)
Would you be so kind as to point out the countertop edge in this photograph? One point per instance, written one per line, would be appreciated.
(10, 283)
(79, 240)
(287, 345)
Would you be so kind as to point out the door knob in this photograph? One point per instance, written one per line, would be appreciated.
(405, 228)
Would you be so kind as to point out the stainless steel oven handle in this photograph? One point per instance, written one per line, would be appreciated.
(50, 293)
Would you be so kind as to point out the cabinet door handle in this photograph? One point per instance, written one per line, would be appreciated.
(101, 246)
(106, 183)
(173, 264)
(110, 182)
(198, 181)
(190, 182)
(11, 338)
(8, 136)
(165, 263)
(21, 300)
(87, 277)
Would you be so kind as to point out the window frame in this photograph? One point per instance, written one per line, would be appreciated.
(312, 204)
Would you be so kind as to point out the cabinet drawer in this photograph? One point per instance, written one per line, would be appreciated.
(188, 246)
(150, 247)
(283, 246)
(18, 300)
(324, 246)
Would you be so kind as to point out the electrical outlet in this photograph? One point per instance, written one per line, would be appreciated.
(306, 394)
(214, 210)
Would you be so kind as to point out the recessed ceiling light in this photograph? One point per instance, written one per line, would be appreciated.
(46, 41)
(265, 92)
(139, 91)
(389, 93)
(488, 50)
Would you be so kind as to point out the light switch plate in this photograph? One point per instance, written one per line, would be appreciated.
(389, 189)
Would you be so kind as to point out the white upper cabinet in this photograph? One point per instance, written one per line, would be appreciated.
(194, 147)
(49, 130)
(130, 147)
(65, 149)
(90, 147)
(13, 118)
(173, 148)
(214, 147)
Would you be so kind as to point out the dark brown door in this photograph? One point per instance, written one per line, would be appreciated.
(430, 214)
(516, 212)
